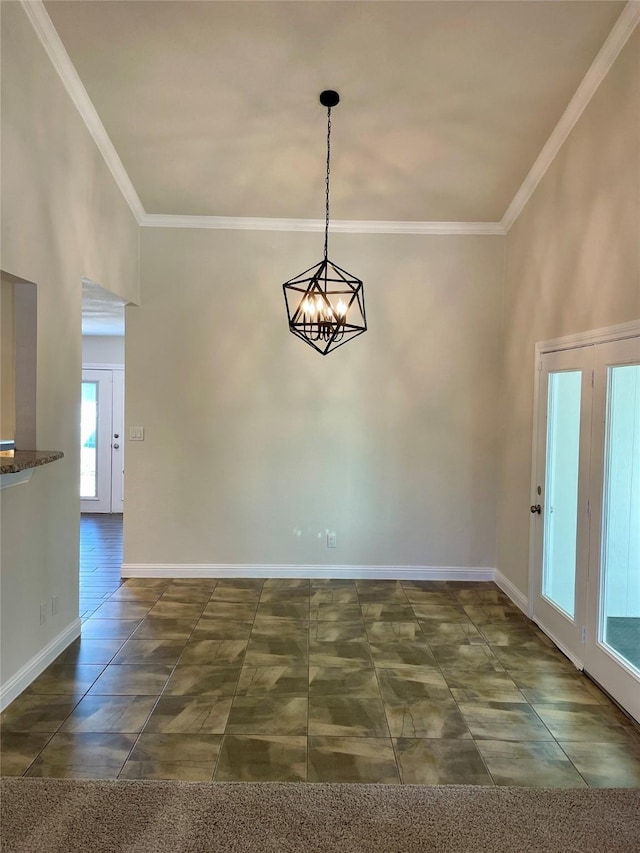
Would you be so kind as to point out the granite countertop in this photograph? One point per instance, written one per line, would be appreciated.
(14, 461)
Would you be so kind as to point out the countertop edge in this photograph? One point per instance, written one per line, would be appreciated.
(22, 460)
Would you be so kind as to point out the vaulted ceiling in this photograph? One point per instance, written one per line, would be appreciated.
(212, 107)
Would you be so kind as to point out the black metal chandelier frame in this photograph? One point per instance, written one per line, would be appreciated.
(325, 303)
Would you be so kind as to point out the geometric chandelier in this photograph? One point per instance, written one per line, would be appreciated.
(325, 304)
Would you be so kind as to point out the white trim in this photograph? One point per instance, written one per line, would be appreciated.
(535, 438)
(38, 663)
(60, 60)
(556, 642)
(588, 338)
(271, 570)
(518, 598)
(600, 66)
(338, 226)
(15, 478)
(101, 365)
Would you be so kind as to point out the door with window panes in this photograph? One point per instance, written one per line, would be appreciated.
(586, 511)
(101, 441)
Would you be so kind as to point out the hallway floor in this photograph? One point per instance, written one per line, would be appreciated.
(296, 680)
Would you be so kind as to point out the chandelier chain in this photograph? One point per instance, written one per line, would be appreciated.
(326, 221)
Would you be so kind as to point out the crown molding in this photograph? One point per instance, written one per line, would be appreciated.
(60, 60)
(344, 226)
(600, 66)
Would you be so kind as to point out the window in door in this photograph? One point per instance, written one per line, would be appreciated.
(88, 440)
(561, 504)
(620, 596)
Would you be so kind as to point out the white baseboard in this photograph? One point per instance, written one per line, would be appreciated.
(271, 570)
(22, 679)
(513, 592)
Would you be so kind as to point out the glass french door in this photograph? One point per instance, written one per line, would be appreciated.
(101, 443)
(612, 654)
(561, 506)
(587, 512)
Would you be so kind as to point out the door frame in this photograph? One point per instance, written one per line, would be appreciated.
(602, 335)
(565, 630)
(117, 407)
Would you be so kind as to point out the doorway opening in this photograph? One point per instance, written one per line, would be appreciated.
(102, 401)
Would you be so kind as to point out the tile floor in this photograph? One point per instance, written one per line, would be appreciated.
(350, 681)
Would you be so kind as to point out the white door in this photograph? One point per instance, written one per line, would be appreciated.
(560, 502)
(612, 654)
(586, 511)
(101, 439)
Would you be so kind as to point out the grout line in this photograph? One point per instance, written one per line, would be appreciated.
(573, 765)
(39, 753)
(484, 610)
(155, 705)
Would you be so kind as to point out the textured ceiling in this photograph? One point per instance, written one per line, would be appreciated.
(102, 312)
(212, 106)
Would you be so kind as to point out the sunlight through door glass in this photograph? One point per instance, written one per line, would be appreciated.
(561, 490)
(620, 593)
(89, 440)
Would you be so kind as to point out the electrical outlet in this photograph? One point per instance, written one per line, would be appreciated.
(332, 540)
(54, 605)
(136, 433)
(43, 613)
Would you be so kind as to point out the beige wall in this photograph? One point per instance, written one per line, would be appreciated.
(573, 264)
(62, 217)
(255, 445)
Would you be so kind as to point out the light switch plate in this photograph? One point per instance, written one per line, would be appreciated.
(136, 433)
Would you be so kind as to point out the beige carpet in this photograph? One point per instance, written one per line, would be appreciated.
(76, 816)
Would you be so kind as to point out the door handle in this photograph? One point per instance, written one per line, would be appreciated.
(535, 508)
(116, 446)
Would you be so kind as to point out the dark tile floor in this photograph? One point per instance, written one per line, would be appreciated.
(351, 681)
